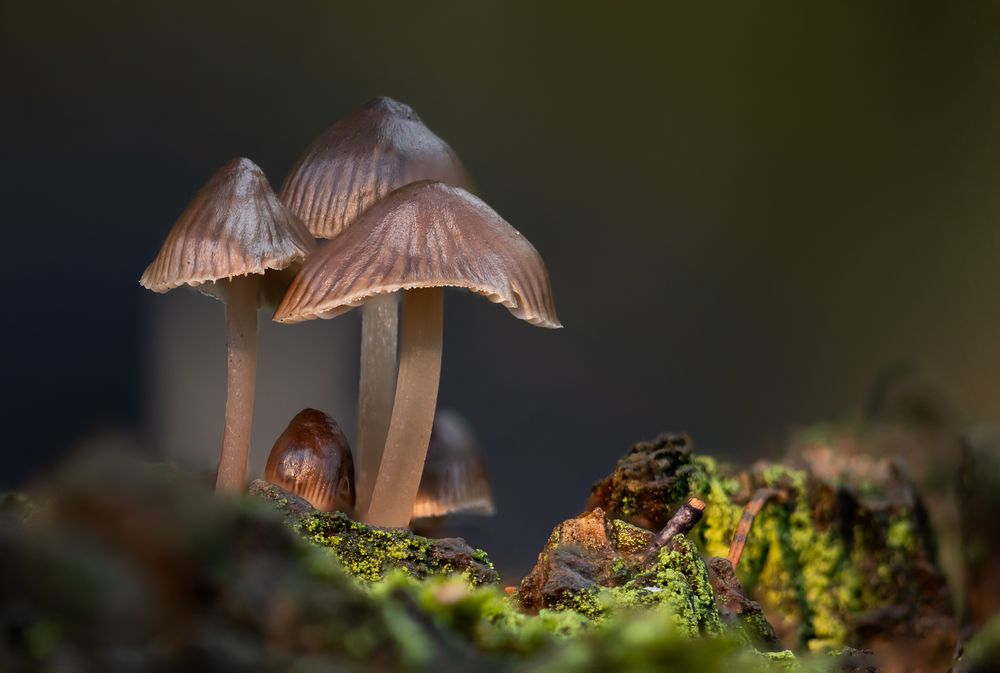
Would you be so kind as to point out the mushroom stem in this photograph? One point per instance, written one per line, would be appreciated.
(241, 331)
(379, 328)
(402, 464)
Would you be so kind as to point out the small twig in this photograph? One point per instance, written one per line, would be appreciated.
(683, 520)
(750, 512)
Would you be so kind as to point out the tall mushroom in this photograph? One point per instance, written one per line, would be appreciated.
(420, 238)
(233, 242)
(365, 155)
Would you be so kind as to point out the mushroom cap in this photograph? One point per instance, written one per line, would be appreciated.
(235, 225)
(454, 478)
(375, 149)
(426, 234)
(312, 459)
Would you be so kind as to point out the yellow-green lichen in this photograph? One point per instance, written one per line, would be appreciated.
(900, 536)
(675, 579)
(628, 538)
(368, 553)
(721, 517)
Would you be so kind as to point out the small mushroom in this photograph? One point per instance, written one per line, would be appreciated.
(420, 238)
(371, 151)
(312, 459)
(235, 241)
(454, 478)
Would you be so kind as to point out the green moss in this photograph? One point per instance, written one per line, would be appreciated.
(627, 505)
(480, 556)
(619, 633)
(677, 581)
(369, 553)
(721, 517)
(900, 535)
(649, 640)
(683, 557)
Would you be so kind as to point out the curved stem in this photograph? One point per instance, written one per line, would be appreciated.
(241, 331)
(379, 328)
(413, 410)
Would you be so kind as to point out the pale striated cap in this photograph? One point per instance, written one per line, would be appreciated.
(375, 149)
(234, 226)
(426, 234)
(454, 479)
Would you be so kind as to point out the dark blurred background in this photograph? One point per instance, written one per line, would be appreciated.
(746, 212)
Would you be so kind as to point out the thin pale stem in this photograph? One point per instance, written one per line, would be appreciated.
(379, 329)
(413, 410)
(241, 329)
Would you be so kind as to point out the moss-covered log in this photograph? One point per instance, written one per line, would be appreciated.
(825, 560)
(370, 552)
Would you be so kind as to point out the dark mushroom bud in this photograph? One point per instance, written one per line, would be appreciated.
(419, 239)
(454, 479)
(236, 242)
(312, 459)
(365, 155)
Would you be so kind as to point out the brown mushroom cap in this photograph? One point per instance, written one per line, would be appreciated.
(426, 234)
(234, 226)
(312, 459)
(454, 478)
(370, 152)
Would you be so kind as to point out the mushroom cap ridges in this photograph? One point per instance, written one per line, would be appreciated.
(365, 155)
(426, 234)
(312, 459)
(235, 225)
(454, 478)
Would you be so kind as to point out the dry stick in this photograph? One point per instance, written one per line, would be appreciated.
(413, 409)
(684, 519)
(377, 387)
(750, 512)
(241, 328)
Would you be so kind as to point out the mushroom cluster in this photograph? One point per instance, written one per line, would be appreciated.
(403, 223)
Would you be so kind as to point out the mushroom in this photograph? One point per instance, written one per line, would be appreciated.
(454, 478)
(236, 242)
(312, 459)
(420, 238)
(365, 155)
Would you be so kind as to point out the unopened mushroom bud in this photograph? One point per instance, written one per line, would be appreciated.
(454, 479)
(312, 459)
